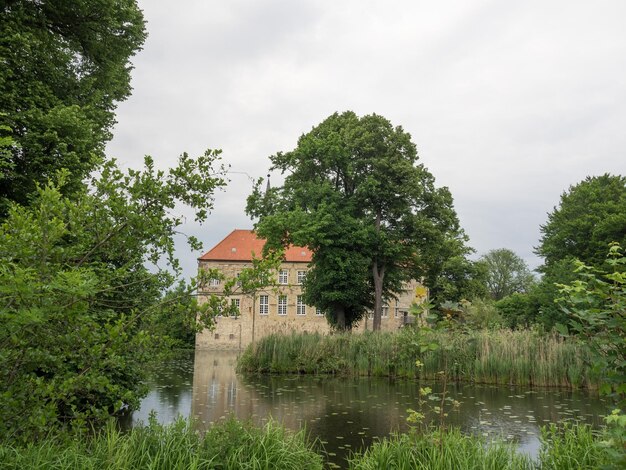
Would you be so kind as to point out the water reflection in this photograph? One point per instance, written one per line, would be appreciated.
(349, 414)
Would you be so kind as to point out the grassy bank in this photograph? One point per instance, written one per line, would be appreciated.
(562, 448)
(231, 445)
(496, 357)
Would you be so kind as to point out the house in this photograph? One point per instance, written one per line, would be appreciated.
(278, 309)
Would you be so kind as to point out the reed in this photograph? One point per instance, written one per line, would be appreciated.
(507, 357)
(234, 445)
(563, 447)
(439, 451)
(574, 446)
(230, 445)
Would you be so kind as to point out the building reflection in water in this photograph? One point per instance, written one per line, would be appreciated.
(349, 414)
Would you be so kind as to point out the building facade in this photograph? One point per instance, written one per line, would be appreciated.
(281, 308)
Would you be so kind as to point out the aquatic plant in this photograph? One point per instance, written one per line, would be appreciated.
(507, 357)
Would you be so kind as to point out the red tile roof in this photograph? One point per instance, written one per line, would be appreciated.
(240, 244)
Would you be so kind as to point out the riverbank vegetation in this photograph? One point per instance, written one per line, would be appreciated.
(561, 448)
(503, 356)
(228, 445)
(235, 445)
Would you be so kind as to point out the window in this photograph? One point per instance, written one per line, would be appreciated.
(217, 336)
(385, 310)
(235, 304)
(282, 276)
(214, 282)
(231, 336)
(397, 314)
(264, 304)
(238, 281)
(282, 305)
(300, 307)
(318, 311)
(301, 276)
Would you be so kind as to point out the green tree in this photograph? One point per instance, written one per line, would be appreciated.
(459, 279)
(65, 65)
(591, 215)
(517, 310)
(372, 215)
(76, 297)
(507, 273)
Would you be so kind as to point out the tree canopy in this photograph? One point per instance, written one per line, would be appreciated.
(76, 299)
(373, 217)
(591, 214)
(507, 273)
(65, 65)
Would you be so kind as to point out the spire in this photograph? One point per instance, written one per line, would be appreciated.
(267, 188)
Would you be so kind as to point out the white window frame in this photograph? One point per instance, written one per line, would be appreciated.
(281, 306)
(283, 276)
(264, 304)
(300, 306)
(214, 282)
(301, 276)
(237, 304)
(384, 311)
(318, 311)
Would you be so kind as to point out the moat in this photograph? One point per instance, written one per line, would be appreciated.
(348, 414)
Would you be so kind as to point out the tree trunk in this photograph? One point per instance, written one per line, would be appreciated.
(340, 315)
(378, 275)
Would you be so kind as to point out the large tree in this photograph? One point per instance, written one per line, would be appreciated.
(78, 304)
(356, 195)
(65, 65)
(507, 273)
(591, 214)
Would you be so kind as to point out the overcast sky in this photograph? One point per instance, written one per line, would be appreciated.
(508, 102)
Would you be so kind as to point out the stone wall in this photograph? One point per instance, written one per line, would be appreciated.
(251, 324)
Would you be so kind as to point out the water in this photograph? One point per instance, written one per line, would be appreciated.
(348, 414)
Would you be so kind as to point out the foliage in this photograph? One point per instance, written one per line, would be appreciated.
(482, 314)
(596, 308)
(65, 65)
(596, 305)
(507, 273)
(591, 215)
(76, 298)
(228, 445)
(372, 216)
(459, 279)
(516, 310)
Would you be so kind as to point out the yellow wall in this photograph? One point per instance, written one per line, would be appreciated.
(235, 333)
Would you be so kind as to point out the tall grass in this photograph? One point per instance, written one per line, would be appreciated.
(562, 448)
(573, 446)
(437, 451)
(230, 445)
(233, 445)
(497, 357)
